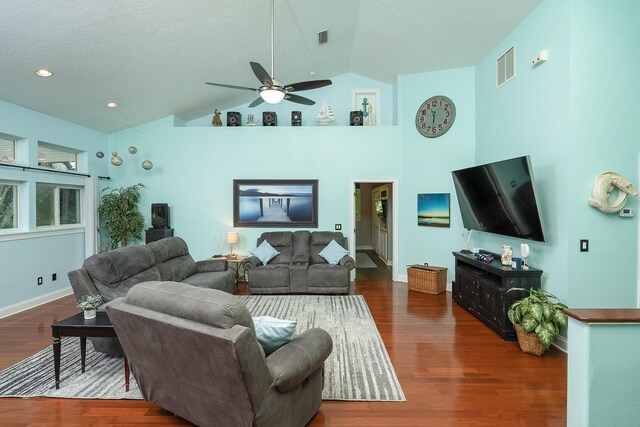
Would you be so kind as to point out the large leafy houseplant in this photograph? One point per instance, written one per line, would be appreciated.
(540, 312)
(121, 215)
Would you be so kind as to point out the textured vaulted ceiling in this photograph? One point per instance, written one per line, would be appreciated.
(153, 56)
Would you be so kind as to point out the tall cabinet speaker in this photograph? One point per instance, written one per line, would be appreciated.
(160, 215)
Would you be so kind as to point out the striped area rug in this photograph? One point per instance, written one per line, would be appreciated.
(359, 367)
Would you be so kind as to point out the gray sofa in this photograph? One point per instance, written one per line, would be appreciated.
(194, 353)
(299, 269)
(111, 274)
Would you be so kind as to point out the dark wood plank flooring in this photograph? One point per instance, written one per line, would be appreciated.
(454, 372)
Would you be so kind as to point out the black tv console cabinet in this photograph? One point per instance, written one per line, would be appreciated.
(482, 289)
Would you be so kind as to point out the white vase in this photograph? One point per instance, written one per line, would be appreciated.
(90, 314)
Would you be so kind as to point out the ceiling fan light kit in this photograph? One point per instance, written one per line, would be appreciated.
(271, 91)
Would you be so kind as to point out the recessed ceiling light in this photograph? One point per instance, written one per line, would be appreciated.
(43, 73)
(112, 104)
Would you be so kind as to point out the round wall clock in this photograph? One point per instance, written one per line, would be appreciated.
(435, 116)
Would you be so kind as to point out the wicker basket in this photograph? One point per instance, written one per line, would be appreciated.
(422, 278)
(529, 341)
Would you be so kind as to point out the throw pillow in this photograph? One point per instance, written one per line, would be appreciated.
(265, 252)
(333, 252)
(273, 333)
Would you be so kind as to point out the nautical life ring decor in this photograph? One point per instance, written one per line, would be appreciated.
(604, 186)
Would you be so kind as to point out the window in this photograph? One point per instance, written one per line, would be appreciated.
(7, 149)
(56, 157)
(8, 206)
(56, 206)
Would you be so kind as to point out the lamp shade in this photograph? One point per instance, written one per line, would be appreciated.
(272, 96)
(232, 237)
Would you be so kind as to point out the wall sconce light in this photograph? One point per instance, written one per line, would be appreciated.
(232, 238)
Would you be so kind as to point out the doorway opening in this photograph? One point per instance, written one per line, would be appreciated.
(374, 230)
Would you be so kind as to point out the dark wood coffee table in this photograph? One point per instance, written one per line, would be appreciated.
(78, 326)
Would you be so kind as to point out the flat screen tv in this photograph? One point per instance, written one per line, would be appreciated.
(500, 198)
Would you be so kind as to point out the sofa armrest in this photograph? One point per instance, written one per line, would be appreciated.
(348, 262)
(251, 262)
(292, 363)
(211, 264)
(300, 260)
(81, 283)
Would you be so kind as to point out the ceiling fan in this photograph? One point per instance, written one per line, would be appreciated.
(271, 91)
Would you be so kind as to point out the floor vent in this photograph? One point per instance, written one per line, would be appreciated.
(506, 67)
(323, 37)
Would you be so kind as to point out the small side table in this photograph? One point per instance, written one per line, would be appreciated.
(78, 326)
(235, 264)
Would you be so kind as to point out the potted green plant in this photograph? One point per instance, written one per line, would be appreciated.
(89, 304)
(121, 215)
(537, 319)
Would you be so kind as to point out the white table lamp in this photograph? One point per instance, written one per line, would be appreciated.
(232, 237)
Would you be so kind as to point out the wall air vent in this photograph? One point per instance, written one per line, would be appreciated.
(506, 67)
(323, 36)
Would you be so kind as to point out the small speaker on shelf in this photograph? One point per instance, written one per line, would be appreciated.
(234, 118)
(296, 118)
(269, 118)
(160, 215)
(355, 118)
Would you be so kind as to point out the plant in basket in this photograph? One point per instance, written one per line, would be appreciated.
(537, 319)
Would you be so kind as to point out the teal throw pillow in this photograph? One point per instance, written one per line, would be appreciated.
(265, 252)
(333, 252)
(273, 333)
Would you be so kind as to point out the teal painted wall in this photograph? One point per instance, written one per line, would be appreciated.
(604, 111)
(34, 255)
(529, 115)
(427, 164)
(603, 375)
(194, 168)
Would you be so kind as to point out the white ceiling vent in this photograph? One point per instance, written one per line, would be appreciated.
(323, 37)
(506, 67)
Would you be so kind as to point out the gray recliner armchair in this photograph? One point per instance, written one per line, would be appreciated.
(194, 352)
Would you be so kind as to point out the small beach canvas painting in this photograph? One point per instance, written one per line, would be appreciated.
(433, 210)
(282, 203)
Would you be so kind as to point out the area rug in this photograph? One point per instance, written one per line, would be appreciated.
(359, 367)
(363, 260)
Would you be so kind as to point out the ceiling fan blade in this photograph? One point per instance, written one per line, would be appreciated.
(261, 73)
(257, 101)
(231, 86)
(311, 84)
(298, 99)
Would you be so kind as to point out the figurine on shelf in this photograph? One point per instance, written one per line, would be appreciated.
(216, 122)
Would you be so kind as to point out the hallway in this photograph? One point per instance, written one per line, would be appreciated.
(380, 272)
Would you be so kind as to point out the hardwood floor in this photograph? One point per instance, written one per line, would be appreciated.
(454, 372)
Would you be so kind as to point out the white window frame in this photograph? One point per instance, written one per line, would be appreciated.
(16, 208)
(12, 139)
(59, 149)
(56, 207)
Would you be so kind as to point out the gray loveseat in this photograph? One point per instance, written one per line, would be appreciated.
(194, 353)
(299, 269)
(111, 274)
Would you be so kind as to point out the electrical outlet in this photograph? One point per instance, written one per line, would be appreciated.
(584, 245)
(39, 280)
(54, 277)
(338, 227)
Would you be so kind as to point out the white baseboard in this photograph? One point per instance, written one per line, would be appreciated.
(34, 302)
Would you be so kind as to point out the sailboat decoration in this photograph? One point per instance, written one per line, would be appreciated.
(325, 115)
